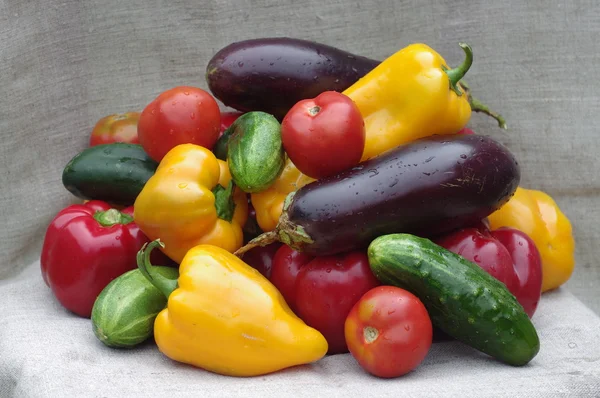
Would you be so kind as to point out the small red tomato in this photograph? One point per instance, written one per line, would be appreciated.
(227, 119)
(177, 116)
(388, 331)
(116, 128)
(324, 135)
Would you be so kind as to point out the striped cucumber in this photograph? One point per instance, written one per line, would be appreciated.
(462, 299)
(255, 151)
(124, 312)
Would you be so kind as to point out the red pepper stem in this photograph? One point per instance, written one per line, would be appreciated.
(454, 75)
(165, 285)
(111, 217)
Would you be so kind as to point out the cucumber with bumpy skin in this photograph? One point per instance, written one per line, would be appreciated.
(462, 299)
(255, 151)
(123, 314)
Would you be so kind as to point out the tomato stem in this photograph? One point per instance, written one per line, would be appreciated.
(314, 110)
(371, 334)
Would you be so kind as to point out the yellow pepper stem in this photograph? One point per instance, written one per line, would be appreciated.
(224, 201)
(478, 106)
(454, 75)
(165, 285)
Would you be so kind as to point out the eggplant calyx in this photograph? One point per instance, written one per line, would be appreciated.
(286, 232)
(292, 234)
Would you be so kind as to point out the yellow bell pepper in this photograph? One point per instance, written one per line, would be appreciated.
(537, 214)
(410, 95)
(190, 201)
(270, 201)
(224, 316)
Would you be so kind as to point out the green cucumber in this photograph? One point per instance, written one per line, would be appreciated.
(115, 173)
(255, 151)
(462, 299)
(123, 314)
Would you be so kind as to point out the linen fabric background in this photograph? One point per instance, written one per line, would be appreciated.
(66, 63)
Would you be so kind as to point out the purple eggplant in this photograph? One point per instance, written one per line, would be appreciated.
(272, 74)
(427, 187)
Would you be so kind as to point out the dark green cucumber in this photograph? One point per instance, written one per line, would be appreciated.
(255, 151)
(462, 299)
(115, 173)
(124, 312)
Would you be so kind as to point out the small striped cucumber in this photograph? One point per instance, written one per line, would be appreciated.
(124, 312)
(462, 299)
(255, 153)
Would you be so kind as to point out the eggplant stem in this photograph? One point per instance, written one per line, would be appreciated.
(261, 240)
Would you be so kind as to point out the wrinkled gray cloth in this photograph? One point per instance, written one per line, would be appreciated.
(64, 64)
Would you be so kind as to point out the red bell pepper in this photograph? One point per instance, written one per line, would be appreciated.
(85, 247)
(507, 254)
(323, 290)
(261, 258)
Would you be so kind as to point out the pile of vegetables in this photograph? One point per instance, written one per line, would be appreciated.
(341, 206)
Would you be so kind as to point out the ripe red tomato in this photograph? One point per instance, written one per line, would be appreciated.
(116, 128)
(388, 331)
(180, 115)
(324, 135)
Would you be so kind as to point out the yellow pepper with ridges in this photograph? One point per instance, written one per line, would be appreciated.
(537, 214)
(225, 317)
(190, 200)
(410, 95)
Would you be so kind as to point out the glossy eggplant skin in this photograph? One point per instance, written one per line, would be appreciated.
(271, 74)
(427, 187)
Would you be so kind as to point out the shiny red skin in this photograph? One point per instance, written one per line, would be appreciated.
(322, 290)
(180, 115)
(465, 131)
(227, 119)
(403, 331)
(507, 254)
(528, 265)
(80, 256)
(286, 265)
(324, 135)
(261, 258)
